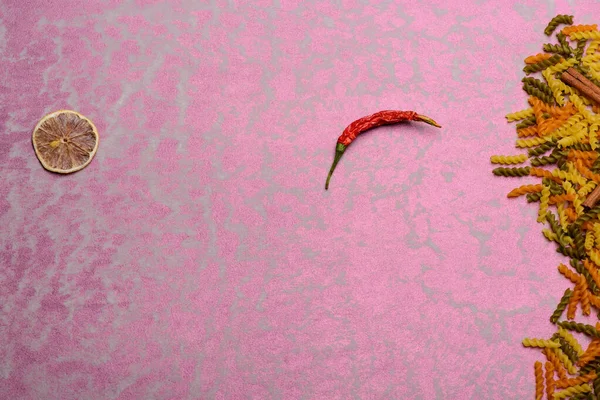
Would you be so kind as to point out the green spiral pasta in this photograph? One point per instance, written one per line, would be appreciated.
(539, 66)
(579, 239)
(533, 197)
(596, 166)
(588, 330)
(527, 122)
(537, 84)
(559, 19)
(589, 215)
(560, 308)
(562, 39)
(578, 52)
(541, 149)
(564, 50)
(570, 252)
(581, 147)
(533, 91)
(589, 367)
(568, 350)
(514, 172)
(545, 160)
(561, 235)
(555, 188)
(596, 385)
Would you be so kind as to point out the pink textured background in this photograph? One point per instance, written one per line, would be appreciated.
(198, 256)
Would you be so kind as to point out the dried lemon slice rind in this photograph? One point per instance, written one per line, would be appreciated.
(65, 141)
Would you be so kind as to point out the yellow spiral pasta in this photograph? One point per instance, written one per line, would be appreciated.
(566, 335)
(565, 361)
(516, 159)
(596, 229)
(594, 255)
(531, 142)
(568, 176)
(567, 128)
(551, 236)
(578, 102)
(586, 189)
(585, 35)
(562, 66)
(590, 240)
(563, 219)
(518, 115)
(563, 394)
(544, 202)
(571, 140)
(572, 169)
(593, 47)
(593, 131)
(528, 342)
(555, 87)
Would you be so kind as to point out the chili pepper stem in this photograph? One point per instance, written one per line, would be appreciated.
(427, 120)
(339, 151)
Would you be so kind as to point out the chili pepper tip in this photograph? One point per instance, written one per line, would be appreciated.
(428, 120)
(339, 151)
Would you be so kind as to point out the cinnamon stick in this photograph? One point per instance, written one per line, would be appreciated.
(592, 198)
(573, 78)
(577, 75)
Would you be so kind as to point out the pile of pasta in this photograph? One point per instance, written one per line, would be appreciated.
(559, 131)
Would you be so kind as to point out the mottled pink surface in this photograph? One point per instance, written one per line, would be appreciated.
(198, 256)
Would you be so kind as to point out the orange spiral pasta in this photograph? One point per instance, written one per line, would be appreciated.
(583, 170)
(570, 211)
(542, 173)
(536, 58)
(591, 352)
(561, 198)
(579, 28)
(538, 108)
(574, 154)
(570, 275)
(521, 190)
(549, 379)
(572, 306)
(585, 296)
(593, 271)
(563, 384)
(539, 380)
(553, 358)
(595, 300)
(527, 132)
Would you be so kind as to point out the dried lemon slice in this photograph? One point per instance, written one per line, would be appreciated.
(65, 141)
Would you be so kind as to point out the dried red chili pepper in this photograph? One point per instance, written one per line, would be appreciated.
(359, 126)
